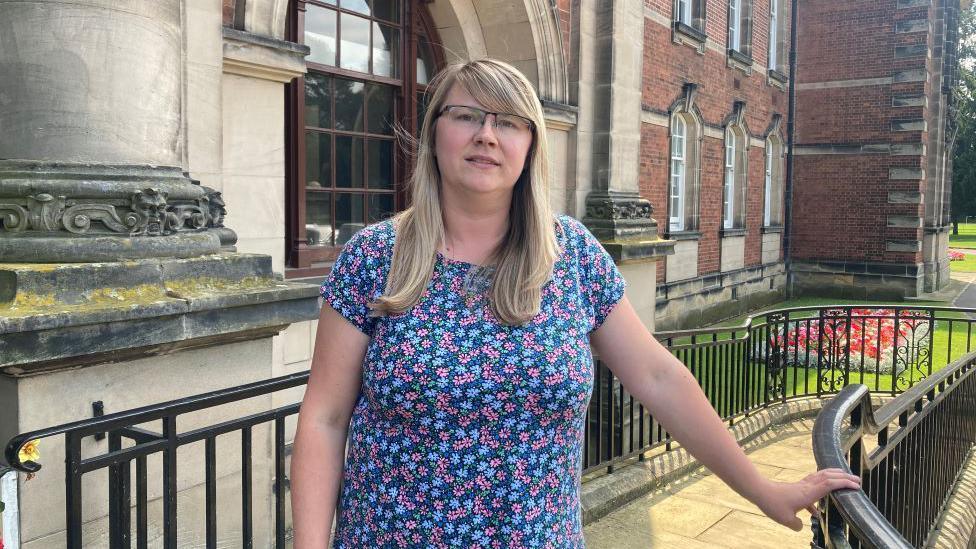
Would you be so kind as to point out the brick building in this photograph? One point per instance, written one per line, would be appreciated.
(873, 146)
(861, 207)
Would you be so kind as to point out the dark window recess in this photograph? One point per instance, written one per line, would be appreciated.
(368, 64)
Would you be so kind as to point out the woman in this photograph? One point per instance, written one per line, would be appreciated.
(454, 349)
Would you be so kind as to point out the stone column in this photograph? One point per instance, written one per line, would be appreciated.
(610, 87)
(93, 141)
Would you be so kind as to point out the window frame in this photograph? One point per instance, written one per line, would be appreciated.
(728, 187)
(735, 25)
(735, 182)
(677, 187)
(302, 259)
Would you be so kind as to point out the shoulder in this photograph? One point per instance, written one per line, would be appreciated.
(575, 238)
(374, 241)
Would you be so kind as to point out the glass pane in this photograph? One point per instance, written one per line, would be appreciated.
(349, 161)
(379, 102)
(380, 155)
(421, 110)
(387, 9)
(349, 99)
(318, 218)
(320, 33)
(318, 160)
(355, 43)
(355, 5)
(318, 100)
(425, 62)
(349, 216)
(380, 207)
(386, 44)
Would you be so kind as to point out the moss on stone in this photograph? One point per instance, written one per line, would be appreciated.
(203, 285)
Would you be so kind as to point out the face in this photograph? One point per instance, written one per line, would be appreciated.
(478, 160)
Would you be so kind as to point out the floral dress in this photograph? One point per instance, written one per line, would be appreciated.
(468, 433)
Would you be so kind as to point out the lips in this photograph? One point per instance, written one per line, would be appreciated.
(483, 160)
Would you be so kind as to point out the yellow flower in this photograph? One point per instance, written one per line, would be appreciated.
(30, 451)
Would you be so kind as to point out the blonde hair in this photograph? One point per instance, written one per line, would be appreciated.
(524, 260)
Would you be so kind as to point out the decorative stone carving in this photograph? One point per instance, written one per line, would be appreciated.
(216, 207)
(618, 208)
(45, 211)
(148, 212)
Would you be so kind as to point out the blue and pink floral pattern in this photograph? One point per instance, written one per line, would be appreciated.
(467, 433)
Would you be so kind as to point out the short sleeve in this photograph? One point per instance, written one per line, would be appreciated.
(357, 278)
(601, 283)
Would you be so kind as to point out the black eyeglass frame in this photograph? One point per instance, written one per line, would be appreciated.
(528, 121)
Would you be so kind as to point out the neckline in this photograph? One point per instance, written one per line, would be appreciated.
(448, 260)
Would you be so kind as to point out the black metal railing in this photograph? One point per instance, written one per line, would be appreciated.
(908, 454)
(770, 358)
(780, 355)
(129, 444)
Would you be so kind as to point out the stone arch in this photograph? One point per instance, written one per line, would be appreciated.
(266, 17)
(498, 29)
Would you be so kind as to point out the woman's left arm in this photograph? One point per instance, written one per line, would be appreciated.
(668, 390)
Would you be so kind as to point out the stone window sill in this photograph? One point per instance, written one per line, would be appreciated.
(732, 232)
(683, 33)
(772, 229)
(778, 79)
(683, 235)
(739, 60)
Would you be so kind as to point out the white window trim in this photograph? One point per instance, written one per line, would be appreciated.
(735, 24)
(683, 11)
(728, 198)
(773, 30)
(768, 206)
(676, 189)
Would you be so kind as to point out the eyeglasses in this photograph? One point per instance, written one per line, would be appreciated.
(473, 119)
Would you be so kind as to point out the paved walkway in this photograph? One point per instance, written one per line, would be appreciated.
(700, 511)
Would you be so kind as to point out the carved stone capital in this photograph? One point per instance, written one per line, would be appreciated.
(615, 215)
(622, 222)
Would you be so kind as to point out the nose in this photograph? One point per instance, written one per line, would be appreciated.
(486, 133)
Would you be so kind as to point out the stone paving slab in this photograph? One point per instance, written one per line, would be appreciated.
(700, 511)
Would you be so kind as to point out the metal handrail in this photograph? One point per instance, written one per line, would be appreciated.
(831, 441)
(136, 416)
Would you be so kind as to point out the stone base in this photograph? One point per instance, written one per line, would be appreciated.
(704, 300)
(43, 248)
(851, 280)
(64, 316)
(40, 401)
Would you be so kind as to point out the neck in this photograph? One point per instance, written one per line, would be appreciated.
(474, 226)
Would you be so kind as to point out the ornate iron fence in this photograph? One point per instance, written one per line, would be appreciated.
(779, 355)
(908, 454)
(770, 358)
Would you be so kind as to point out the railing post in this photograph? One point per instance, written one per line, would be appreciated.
(72, 472)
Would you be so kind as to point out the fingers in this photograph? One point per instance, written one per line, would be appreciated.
(795, 524)
(814, 511)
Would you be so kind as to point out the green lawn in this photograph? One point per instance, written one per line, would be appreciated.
(966, 237)
(967, 265)
(723, 379)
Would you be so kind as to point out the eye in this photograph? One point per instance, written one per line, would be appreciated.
(508, 123)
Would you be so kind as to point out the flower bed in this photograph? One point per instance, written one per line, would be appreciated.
(877, 341)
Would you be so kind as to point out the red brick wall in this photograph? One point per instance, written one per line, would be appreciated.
(667, 66)
(840, 205)
(228, 7)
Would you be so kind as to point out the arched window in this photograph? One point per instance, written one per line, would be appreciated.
(773, 188)
(369, 62)
(683, 180)
(733, 195)
(678, 171)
